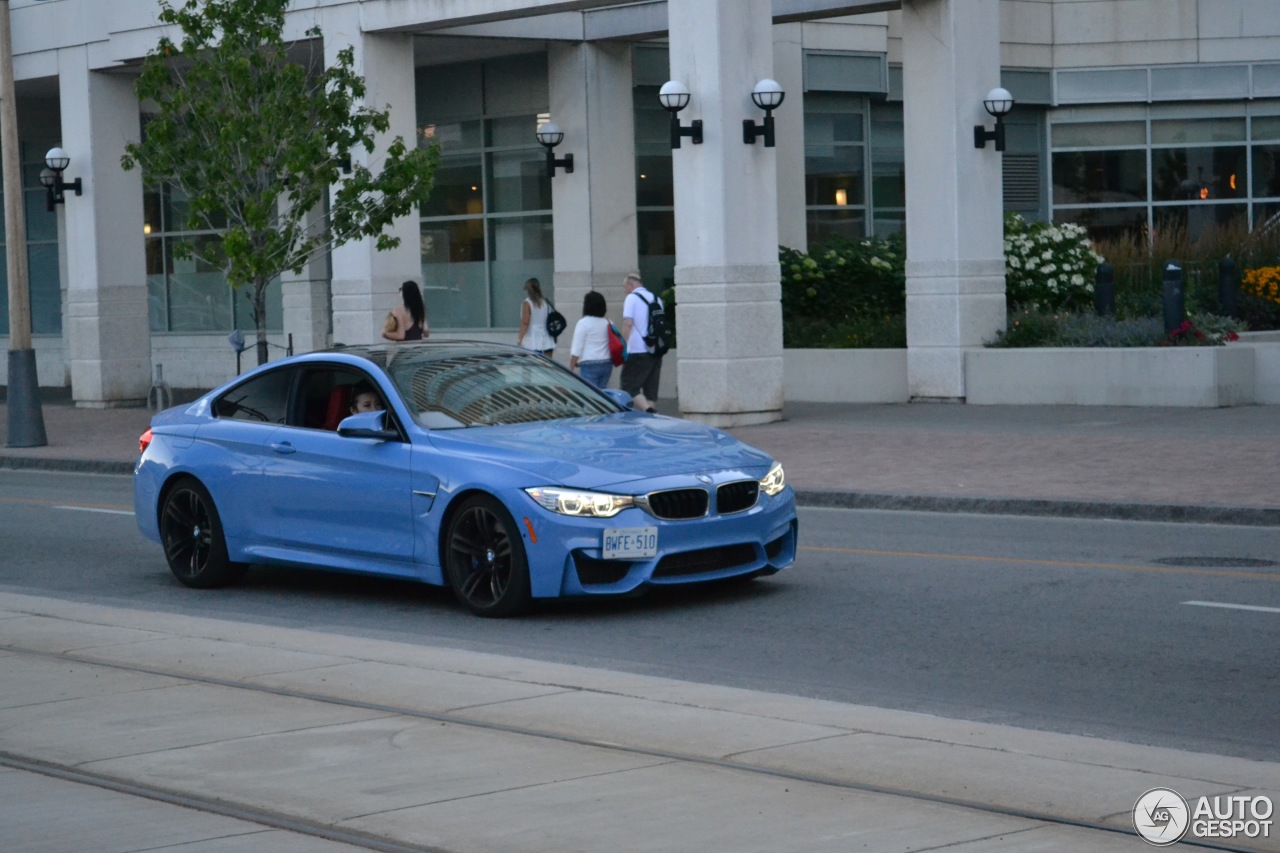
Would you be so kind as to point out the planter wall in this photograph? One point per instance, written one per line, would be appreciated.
(1139, 376)
(1240, 374)
(845, 375)
(1266, 372)
(824, 376)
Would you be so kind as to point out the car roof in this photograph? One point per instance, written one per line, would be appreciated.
(383, 354)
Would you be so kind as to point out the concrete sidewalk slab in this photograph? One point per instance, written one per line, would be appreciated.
(546, 756)
(44, 814)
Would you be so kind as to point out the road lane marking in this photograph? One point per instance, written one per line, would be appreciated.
(1252, 607)
(95, 509)
(39, 502)
(1069, 564)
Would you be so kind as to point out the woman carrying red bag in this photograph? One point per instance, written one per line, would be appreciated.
(590, 353)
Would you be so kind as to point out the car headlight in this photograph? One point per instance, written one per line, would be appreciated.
(581, 504)
(775, 481)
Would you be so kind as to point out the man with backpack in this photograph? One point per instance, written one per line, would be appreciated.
(648, 336)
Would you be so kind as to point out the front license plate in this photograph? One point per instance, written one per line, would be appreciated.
(630, 543)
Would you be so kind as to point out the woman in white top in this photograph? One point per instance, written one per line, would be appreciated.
(533, 320)
(589, 354)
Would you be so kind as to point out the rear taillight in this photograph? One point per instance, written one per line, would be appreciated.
(144, 441)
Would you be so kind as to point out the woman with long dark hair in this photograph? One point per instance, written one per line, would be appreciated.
(407, 321)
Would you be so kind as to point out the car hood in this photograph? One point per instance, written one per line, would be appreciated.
(605, 451)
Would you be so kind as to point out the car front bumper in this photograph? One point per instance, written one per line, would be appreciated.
(566, 554)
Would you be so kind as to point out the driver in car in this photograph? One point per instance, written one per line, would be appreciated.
(365, 399)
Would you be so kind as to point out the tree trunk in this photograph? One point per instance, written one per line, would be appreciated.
(260, 317)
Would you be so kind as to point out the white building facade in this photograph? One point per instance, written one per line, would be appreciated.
(1130, 114)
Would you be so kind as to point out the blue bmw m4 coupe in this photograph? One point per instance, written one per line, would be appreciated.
(485, 468)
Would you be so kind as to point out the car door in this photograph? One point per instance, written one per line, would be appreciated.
(333, 500)
(228, 452)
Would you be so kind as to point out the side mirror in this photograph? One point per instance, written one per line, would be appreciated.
(367, 425)
(617, 395)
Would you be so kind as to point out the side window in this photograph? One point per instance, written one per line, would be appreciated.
(264, 399)
(330, 394)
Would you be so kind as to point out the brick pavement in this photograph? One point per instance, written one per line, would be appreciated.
(1223, 464)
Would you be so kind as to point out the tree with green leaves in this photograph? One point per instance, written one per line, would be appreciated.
(255, 132)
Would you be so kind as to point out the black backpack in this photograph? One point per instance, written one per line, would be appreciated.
(659, 337)
(556, 323)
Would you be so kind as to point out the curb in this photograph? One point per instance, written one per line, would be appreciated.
(822, 498)
(1251, 516)
(78, 466)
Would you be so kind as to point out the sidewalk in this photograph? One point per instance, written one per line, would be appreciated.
(128, 730)
(1177, 464)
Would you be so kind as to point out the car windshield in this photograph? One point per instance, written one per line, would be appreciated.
(459, 388)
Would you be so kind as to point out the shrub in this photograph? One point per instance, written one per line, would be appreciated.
(1031, 328)
(1263, 282)
(1139, 257)
(1206, 330)
(1048, 266)
(845, 293)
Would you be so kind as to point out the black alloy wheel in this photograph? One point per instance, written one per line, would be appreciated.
(485, 559)
(193, 541)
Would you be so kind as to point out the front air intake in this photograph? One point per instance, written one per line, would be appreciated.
(678, 504)
(737, 497)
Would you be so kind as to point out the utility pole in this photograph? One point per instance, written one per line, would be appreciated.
(26, 420)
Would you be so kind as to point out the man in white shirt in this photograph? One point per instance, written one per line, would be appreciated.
(642, 369)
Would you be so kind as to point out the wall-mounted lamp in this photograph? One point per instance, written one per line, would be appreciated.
(998, 103)
(768, 96)
(550, 135)
(56, 162)
(675, 97)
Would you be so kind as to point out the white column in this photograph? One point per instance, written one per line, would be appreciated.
(729, 314)
(366, 282)
(788, 70)
(306, 300)
(594, 209)
(108, 334)
(955, 242)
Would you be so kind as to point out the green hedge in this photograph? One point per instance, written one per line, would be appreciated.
(847, 293)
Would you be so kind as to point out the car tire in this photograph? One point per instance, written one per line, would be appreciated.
(194, 544)
(485, 559)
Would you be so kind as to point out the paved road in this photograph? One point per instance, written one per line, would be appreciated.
(1075, 626)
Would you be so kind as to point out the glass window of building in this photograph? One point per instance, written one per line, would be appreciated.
(655, 191)
(487, 227)
(855, 167)
(190, 294)
(1119, 171)
(43, 275)
(835, 166)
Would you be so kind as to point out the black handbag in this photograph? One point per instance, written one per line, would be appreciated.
(556, 323)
